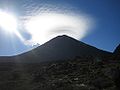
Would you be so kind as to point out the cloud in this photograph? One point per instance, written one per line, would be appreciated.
(49, 25)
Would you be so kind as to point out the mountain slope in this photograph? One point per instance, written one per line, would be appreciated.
(60, 48)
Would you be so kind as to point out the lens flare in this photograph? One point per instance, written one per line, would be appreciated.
(8, 21)
(47, 26)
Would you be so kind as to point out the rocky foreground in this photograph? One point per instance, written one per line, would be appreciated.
(77, 74)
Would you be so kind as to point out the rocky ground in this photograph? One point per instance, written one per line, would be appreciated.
(77, 74)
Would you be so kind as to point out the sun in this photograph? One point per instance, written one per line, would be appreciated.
(8, 21)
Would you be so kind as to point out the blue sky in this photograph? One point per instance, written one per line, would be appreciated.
(105, 35)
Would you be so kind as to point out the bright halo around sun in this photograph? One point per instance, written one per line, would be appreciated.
(8, 21)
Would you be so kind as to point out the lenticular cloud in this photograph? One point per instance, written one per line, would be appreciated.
(45, 21)
(49, 25)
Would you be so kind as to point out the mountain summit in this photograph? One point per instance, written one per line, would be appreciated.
(61, 48)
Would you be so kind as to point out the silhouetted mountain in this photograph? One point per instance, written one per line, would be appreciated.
(84, 72)
(61, 48)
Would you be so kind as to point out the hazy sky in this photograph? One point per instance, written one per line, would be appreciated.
(105, 33)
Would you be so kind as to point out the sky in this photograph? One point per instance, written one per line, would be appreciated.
(103, 22)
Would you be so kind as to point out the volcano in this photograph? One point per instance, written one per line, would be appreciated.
(62, 63)
(59, 48)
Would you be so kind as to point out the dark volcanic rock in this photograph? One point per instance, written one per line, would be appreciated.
(73, 74)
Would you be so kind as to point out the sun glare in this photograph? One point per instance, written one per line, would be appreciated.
(8, 21)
